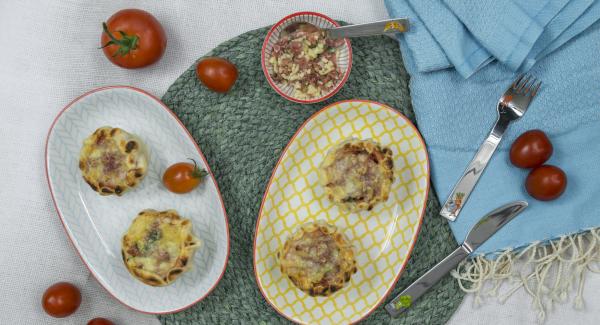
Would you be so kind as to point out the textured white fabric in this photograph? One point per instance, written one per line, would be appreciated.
(48, 56)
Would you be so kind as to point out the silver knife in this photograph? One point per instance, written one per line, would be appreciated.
(481, 231)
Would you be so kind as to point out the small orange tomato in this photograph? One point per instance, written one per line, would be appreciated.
(100, 321)
(183, 177)
(217, 74)
(61, 299)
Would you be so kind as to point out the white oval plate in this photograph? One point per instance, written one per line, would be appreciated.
(95, 224)
(383, 238)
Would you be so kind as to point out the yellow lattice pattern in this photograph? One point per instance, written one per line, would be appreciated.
(382, 237)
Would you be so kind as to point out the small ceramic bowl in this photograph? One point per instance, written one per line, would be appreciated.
(344, 60)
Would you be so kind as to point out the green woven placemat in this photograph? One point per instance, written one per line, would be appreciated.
(242, 134)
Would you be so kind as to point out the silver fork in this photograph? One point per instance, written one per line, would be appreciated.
(511, 106)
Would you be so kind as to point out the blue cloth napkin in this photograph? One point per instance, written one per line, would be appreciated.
(455, 115)
(467, 35)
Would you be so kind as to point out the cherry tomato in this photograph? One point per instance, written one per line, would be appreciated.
(61, 299)
(546, 182)
(183, 177)
(217, 74)
(531, 149)
(100, 321)
(133, 38)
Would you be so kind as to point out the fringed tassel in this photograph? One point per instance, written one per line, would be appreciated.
(547, 271)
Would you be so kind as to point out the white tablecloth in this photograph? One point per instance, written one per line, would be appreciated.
(48, 56)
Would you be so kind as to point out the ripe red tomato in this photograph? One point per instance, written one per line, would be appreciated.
(61, 299)
(133, 38)
(100, 321)
(546, 183)
(217, 74)
(531, 149)
(183, 177)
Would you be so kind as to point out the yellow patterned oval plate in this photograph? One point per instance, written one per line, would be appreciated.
(383, 238)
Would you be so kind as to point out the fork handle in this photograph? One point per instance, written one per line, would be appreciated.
(463, 188)
(383, 27)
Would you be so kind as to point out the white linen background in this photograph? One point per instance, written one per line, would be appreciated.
(49, 56)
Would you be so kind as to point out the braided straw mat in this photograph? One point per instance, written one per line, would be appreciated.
(242, 133)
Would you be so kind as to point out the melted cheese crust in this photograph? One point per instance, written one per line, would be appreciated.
(158, 247)
(112, 160)
(318, 259)
(357, 174)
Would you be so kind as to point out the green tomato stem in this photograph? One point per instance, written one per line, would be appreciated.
(126, 44)
(198, 172)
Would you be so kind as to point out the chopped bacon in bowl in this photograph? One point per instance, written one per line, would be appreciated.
(307, 59)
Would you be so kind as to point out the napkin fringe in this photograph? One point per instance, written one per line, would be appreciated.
(548, 271)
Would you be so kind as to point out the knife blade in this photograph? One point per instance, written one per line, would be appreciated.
(479, 233)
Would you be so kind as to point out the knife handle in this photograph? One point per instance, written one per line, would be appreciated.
(383, 27)
(414, 291)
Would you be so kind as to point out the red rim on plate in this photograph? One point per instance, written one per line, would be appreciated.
(417, 231)
(208, 169)
(315, 18)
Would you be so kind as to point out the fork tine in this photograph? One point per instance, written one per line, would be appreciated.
(523, 84)
(537, 87)
(534, 84)
(516, 82)
(531, 86)
(527, 85)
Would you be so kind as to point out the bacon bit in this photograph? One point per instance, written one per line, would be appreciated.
(110, 162)
(334, 42)
(296, 47)
(163, 256)
(134, 250)
(313, 38)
